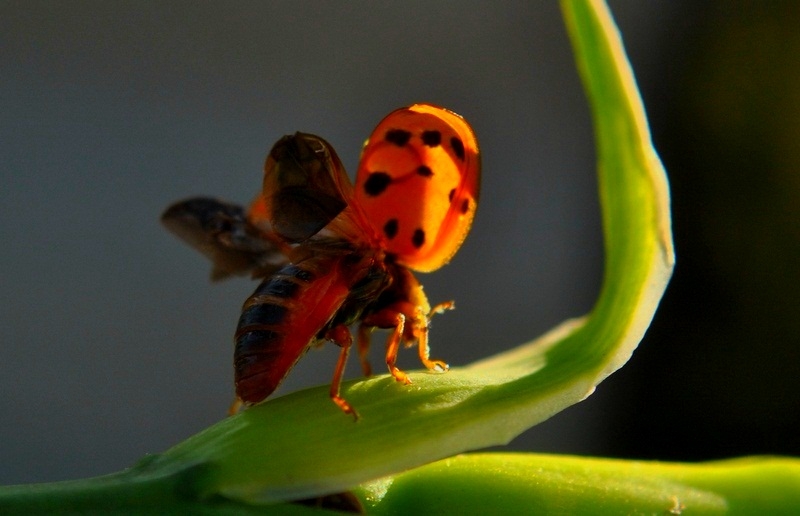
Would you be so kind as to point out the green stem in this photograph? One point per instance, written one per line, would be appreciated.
(500, 483)
(153, 486)
(136, 488)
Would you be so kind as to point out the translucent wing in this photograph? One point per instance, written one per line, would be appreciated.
(307, 189)
(223, 233)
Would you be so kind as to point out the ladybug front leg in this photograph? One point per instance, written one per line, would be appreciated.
(390, 318)
(340, 335)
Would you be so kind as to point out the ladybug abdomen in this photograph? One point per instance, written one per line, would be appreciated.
(286, 314)
(261, 356)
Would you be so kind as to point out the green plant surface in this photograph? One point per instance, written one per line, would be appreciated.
(515, 483)
(301, 445)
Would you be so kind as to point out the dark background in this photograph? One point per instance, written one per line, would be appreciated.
(114, 344)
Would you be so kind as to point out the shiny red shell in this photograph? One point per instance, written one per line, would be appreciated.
(418, 183)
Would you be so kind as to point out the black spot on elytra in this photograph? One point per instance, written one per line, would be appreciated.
(398, 137)
(465, 206)
(424, 171)
(418, 239)
(451, 195)
(376, 183)
(458, 147)
(390, 228)
(432, 138)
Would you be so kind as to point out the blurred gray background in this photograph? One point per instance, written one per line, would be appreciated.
(113, 342)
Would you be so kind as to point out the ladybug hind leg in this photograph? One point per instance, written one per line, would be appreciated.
(340, 335)
(236, 406)
(364, 333)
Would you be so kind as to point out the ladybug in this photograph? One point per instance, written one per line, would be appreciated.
(332, 254)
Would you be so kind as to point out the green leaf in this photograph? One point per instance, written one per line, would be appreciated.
(549, 484)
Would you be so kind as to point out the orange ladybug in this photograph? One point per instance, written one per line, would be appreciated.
(333, 254)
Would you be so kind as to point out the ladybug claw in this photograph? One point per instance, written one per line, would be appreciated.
(439, 367)
(345, 406)
(441, 308)
(400, 376)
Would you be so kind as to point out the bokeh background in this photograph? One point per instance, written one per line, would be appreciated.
(114, 344)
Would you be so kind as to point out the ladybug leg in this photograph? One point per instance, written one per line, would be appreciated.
(364, 332)
(340, 335)
(390, 318)
(424, 351)
(393, 345)
(235, 407)
(437, 366)
(440, 308)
